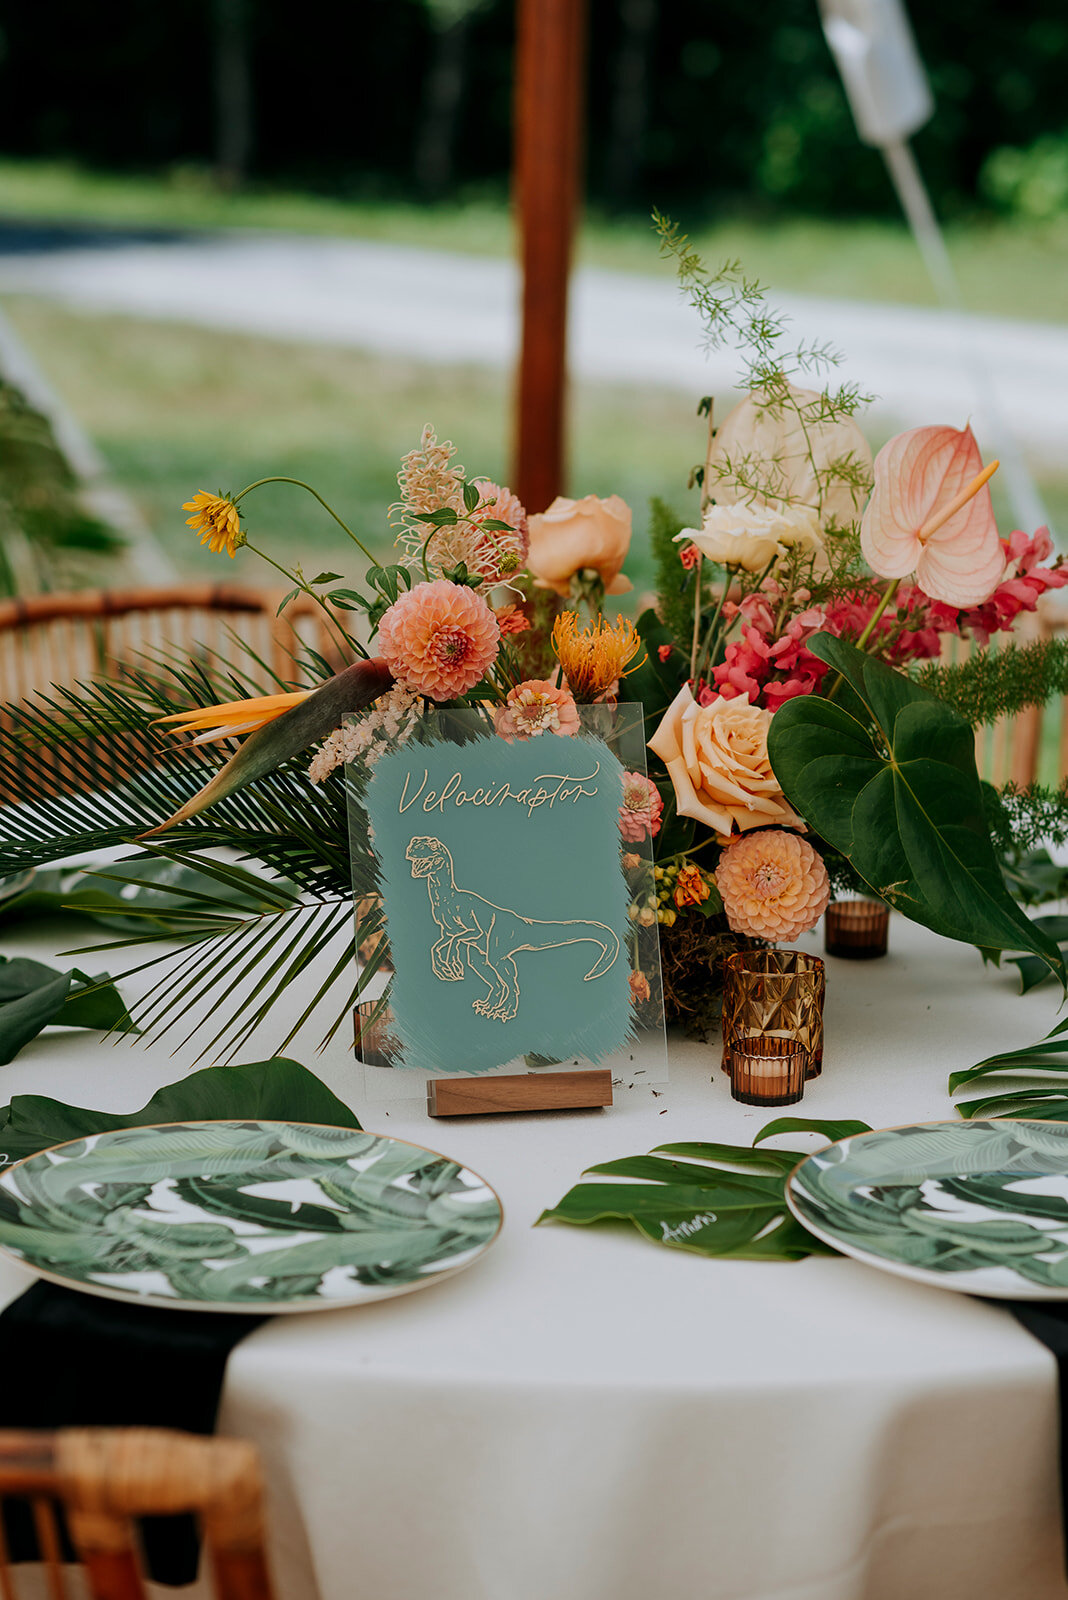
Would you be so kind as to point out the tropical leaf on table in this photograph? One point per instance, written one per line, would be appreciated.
(899, 796)
(1044, 1102)
(276, 1090)
(687, 1197)
(34, 996)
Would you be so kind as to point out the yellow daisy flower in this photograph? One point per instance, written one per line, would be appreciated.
(217, 520)
(594, 658)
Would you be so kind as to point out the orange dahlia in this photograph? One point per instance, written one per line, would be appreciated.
(439, 638)
(774, 885)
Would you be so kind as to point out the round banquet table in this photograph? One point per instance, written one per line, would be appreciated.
(585, 1416)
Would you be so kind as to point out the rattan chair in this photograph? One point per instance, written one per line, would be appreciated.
(105, 1478)
(63, 639)
(53, 641)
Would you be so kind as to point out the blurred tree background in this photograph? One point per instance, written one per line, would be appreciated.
(727, 105)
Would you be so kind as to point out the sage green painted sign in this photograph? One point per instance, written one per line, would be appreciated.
(977, 1206)
(505, 901)
(244, 1216)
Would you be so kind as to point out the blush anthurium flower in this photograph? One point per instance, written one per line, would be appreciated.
(930, 514)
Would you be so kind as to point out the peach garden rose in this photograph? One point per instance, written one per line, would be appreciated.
(574, 534)
(717, 759)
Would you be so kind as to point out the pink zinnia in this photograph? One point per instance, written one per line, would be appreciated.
(639, 815)
(438, 639)
(536, 706)
(774, 885)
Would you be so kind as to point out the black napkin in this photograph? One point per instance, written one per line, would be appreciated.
(75, 1360)
(1047, 1320)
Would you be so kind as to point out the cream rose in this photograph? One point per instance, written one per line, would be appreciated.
(574, 534)
(717, 759)
(752, 537)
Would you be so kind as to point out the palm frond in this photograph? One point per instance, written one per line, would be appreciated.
(100, 775)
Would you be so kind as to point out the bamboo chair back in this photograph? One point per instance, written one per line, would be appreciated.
(106, 1478)
(1009, 750)
(59, 640)
(64, 639)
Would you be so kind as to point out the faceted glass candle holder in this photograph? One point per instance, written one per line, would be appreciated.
(765, 1070)
(856, 930)
(775, 992)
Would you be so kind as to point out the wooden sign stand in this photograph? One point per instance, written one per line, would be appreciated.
(583, 1090)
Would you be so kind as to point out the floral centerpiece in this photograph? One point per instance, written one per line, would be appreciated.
(803, 733)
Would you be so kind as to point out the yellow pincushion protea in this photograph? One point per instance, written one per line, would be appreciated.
(217, 520)
(594, 658)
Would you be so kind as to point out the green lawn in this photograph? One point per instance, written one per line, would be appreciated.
(177, 409)
(1013, 269)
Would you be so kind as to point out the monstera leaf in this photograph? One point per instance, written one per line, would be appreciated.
(899, 795)
(686, 1197)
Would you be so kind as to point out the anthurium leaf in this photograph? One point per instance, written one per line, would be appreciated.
(1032, 970)
(899, 796)
(830, 1130)
(277, 1090)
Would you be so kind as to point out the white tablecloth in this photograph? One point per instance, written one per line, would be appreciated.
(585, 1416)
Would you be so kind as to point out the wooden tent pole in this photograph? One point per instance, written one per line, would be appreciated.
(550, 63)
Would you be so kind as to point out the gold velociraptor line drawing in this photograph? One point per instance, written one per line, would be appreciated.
(491, 936)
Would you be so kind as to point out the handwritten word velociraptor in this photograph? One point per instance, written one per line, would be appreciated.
(544, 790)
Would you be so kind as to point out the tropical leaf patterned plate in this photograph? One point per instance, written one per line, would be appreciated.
(977, 1206)
(244, 1216)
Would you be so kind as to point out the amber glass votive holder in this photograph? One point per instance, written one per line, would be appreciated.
(376, 1045)
(776, 992)
(856, 930)
(765, 1070)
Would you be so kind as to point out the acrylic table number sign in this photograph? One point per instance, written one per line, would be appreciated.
(523, 968)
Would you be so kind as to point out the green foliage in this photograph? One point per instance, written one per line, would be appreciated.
(260, 928)
(735, 311)
(674, 585)
(1000, 683)
(279, 1090)
(159, 890)
(32, 996)
(1030, 183)
(1030, 817)
(693, 1201)
(1045, 1103)
(39, 508)
(899, 796)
